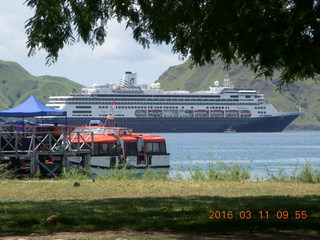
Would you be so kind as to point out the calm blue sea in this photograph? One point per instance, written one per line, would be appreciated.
(263, 152)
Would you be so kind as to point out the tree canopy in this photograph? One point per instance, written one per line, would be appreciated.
(267, 35)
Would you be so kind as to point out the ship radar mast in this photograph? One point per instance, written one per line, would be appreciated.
(227, 82)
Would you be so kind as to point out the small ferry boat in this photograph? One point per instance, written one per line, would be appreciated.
(230, 130)
(119, 147)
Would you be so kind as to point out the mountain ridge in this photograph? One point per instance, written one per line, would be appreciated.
(13, 76)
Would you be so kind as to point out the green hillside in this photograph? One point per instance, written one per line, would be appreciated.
(16, 85)
(289, 99)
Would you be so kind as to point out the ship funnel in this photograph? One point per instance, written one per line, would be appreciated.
(129, 80)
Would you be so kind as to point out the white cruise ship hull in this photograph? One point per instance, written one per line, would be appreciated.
(150, 109)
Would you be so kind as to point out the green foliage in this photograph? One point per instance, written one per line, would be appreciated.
(265, 35)
(13, 76)
(154, 174)
(308, 174)
(118, 174)
(221, 171)
(279, 176)
(4, 173)
(197, 174)
(74, 173)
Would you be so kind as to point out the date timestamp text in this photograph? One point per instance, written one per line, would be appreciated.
(283, 214)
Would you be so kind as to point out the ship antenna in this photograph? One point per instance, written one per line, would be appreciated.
(226, 81)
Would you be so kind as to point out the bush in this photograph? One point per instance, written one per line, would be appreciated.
(220, 171)
(308, 174)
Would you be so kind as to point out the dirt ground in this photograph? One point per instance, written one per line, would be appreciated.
(123, 235)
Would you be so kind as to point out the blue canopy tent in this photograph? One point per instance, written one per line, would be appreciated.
(32, 107)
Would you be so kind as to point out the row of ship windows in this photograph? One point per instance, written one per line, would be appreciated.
(150, 104)
(160, 98)
(154, 101)
(173, 115)
(247, 96)
(205, 98)
(121, 115)
(159, 107)
(87, 111)
(209, 122)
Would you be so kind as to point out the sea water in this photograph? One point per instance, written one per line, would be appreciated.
(263, 153)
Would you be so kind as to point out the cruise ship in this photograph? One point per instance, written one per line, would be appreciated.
(147, 108)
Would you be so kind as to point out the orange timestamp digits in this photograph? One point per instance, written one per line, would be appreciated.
(281, 214)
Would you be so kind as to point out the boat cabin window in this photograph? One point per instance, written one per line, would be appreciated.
(89, 130)
(131, 148)
(111, 130)
(157, 147)
(104, 148)
(124, 132)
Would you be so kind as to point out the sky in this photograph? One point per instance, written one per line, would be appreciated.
(80, 63)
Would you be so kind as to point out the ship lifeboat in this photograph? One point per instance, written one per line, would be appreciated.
(141, 113)
(217, 113)
(116, 147)
(201, 113)
(245, 113)
(232, 113)
(155, 113)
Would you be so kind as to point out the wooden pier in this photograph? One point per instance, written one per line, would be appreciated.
(44, 153)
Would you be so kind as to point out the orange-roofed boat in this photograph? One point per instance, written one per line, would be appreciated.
(119, 147)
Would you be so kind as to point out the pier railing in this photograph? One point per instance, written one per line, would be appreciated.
(34, 147)
(25, 143)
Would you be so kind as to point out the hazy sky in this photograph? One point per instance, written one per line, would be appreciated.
(79, 63)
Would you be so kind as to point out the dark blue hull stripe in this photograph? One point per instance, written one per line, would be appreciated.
(158, 125)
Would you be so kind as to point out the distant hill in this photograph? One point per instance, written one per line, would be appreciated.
(302, 94)
(16, 85)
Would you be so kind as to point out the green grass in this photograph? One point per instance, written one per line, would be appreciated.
(153, 205)
(119, 201)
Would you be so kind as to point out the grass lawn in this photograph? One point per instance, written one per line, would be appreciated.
(182, 207)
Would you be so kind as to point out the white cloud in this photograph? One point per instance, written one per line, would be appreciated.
(79, 62)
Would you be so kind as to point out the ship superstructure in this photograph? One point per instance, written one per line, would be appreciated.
(147, 108)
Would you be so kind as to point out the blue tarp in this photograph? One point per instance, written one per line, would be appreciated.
(20, 122)
(19, 125)
(32, 107)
